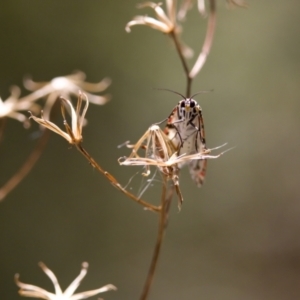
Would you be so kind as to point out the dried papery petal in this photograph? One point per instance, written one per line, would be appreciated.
(201, 7)
(159, 152)
(51, 275)
(160, 14)
(67, 86)
(96, 87)
(73, 133)
(151, 22)
(76, 282)
(28, 290)
(185, 6)
(167, 161)
(171, 9)
(13, 106)
(77, 116)
(187, 51)
(158, 146)
(83, 295)
(51, 126)
(164, 22)
(172, 161)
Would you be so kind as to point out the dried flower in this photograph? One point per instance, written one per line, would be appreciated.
(158, 149)
(29, 290)
(165, 22)
(66, 86)
(12, 106)
(73, 133)
(161, 152)
(60, 86)
(187, 5)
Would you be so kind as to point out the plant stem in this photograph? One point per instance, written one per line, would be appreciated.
(114, 181)
(26, 167)
(163, 216)
(210, 32)
(184, 63)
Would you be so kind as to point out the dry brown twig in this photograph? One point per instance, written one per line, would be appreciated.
(26, 167)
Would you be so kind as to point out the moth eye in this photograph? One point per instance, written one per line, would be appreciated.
(182, 104)
(192, 104)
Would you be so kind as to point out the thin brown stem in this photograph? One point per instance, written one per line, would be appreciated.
(183, 61)
(26, 167)
(210, 32)
(163, 217)
(114, 181)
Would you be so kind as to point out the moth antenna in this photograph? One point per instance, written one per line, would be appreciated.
(202, 92)
(172, 92)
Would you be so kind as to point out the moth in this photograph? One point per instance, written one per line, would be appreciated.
(185, 128)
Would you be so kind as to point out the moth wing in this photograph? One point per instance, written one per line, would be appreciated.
(198, 171)
(198, 167)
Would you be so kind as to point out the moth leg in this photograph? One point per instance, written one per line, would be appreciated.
(160, 122)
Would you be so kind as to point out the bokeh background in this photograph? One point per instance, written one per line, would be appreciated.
(236, 238)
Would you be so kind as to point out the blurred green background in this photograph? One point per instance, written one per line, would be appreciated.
(236, 238)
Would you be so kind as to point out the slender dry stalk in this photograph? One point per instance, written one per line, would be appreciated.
(114, 181)
(211, 24)
(73, 135)
(163, 216)
(210, 32)
(174, 36)
(26, 167)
